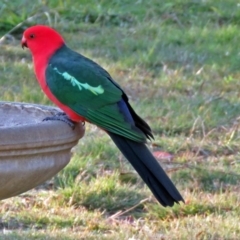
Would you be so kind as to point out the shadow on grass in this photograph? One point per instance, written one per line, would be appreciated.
(109, 200)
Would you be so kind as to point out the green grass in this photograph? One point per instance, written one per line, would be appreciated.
(178, 61)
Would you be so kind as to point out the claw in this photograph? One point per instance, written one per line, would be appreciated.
(61, 117)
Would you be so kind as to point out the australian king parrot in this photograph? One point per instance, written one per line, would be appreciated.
(86, 92)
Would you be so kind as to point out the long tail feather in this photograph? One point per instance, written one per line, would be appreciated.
(148, 168)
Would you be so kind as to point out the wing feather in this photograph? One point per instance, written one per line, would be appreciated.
(89, 90)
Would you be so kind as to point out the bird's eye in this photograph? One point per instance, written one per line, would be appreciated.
(32, 35)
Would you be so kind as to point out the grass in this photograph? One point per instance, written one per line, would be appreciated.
(178, 62)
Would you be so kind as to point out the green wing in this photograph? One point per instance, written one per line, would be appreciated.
(88, 90)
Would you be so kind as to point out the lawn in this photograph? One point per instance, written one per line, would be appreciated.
(179, 63)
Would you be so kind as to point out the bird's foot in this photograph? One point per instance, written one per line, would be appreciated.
(61, 116)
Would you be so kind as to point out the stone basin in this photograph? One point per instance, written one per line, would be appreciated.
(31, 150)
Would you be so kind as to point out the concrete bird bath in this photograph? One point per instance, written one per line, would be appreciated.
(32, 151)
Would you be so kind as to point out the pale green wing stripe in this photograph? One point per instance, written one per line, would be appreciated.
(95, 90)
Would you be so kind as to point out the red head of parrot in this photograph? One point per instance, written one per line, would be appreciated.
(43, 42)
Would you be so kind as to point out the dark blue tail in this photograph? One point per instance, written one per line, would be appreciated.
(149, 169)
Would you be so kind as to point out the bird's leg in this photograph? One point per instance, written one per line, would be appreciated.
(61, 116)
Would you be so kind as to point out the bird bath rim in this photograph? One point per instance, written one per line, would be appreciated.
(32, 150)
